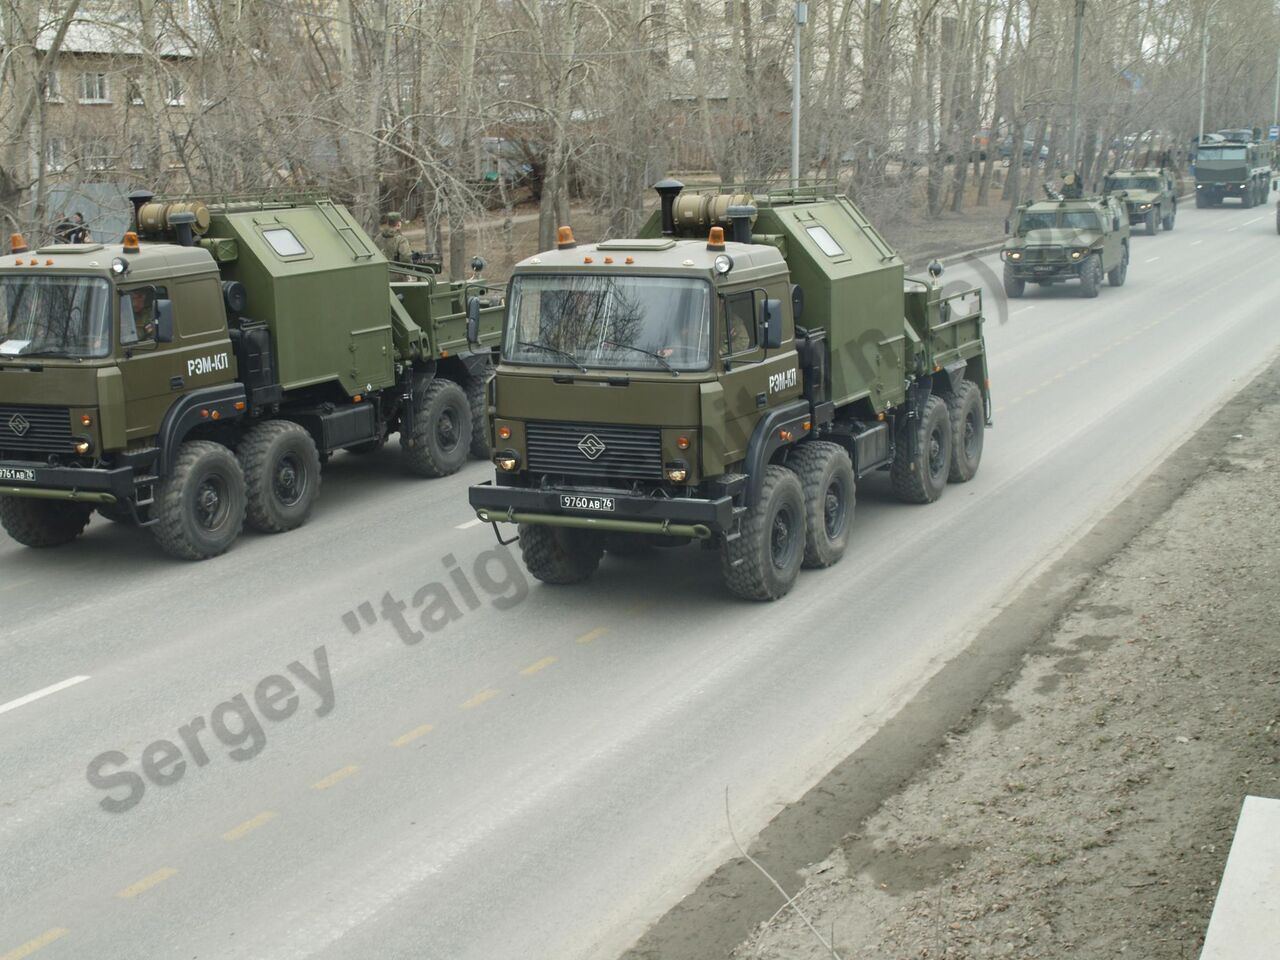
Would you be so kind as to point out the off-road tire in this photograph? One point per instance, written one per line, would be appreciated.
(43, 523)
(1014, 287)
(1278, 217)
(920, 477)
(441, 431)
(1090, 277)
(762, 563)
(281, 475)
(1201, 203)
(1247, 197)
(559, 555)
(1116, 276)
(477, 398)
(1168, 221)
(968, 421)
(189, 524)
(1151, 222)
(830, 494)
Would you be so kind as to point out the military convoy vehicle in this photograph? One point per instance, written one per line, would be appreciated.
(193, 377)
(1055, 240)
(686, 386)
(1149, 196)
(1237, 168)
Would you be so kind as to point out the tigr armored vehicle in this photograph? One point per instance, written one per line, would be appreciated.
(1053, 241)
(1236, 168)
(1149, 196)
(193, 377)
(731, 390)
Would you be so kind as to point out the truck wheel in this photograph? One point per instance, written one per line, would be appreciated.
(43, 523)
(441, 431)
(1201, 203)
(559, 555)
(1013, 286)
(1168, 221)
(921, 478)
(1151, 223)
(200, 506)
(968, 420)
(1116, 277)
(1246, 197)
(281, 475)
(1090, 277)
(478, 400)
(826, 476)
(762, 563)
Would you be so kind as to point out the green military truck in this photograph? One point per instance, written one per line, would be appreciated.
(194, 377)
(1149, 196)
(1055, 240)
(1235, 168)
(681, 386)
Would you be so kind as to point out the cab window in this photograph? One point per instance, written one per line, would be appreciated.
(138, 314)
(740, 323)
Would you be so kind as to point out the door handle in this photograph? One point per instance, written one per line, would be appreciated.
(176, 383)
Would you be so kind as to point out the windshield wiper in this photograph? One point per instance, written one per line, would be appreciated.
(648, 353)
(556, 350)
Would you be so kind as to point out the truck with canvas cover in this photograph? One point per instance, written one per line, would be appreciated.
(194, 377)
(726, 378)
(1055, 240)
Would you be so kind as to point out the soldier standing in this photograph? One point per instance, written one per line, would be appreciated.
(394, 246)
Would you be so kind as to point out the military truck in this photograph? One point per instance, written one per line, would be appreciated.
(1235, 168)
(193, 377)
(685, 385)
(1150, 196)
(1055, 240)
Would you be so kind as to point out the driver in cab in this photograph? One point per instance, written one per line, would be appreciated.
(138, 315)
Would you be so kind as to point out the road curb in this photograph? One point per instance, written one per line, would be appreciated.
(726, 907)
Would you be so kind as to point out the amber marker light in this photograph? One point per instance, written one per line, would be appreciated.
(239, 404)
(682, 443)
(785, 435)
(86, 419)
(130, 244)
(504, 433)
(17, 244)
(564, 238)
(608, 259)
(715, 239)
(586, 260)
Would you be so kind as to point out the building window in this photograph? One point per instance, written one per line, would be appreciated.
(658, 10)
(173, 91)
(52, 88)
(55, 154)
(96, 155)
(688, 54)
(134, 90)
(768, 10)
(728, 9)
(94, 88)
(137, 155)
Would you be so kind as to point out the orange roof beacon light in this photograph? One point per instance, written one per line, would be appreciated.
(130, 242)
(17, 244)
(715, 239)
(564, 238)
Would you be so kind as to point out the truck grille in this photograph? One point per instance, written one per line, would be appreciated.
(1042, 254)
(26, 429)
(595, 450)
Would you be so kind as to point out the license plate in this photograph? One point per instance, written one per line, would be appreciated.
(1045, 269)
(25, 476)
(571, 502)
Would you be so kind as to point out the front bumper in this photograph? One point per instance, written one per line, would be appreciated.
(674, 517)
(1057, 270)
(20, 478)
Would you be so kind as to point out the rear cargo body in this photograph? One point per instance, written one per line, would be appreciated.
(227, 351)
(652, 388)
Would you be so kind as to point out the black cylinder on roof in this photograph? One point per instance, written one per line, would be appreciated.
(668, 190)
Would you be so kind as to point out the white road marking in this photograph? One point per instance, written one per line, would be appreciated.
(23, 701)
(1014, 313)
(1194, 242)
(1254, 220)
(1232, 229)
(1152, 259)
(474, 522)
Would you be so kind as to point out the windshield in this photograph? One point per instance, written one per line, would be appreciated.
(1038, 221)
(598, 321)
(1222, 153)
(1080, 220)
(54, 316)
(1133, 183)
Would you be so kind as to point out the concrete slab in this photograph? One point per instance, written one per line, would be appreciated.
(1246, 916)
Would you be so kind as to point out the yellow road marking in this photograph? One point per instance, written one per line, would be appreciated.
(235, 833)
(542, 664)
(595, 634)
(333, 778)
(412, 735)
(31, 946)
(146, 883)
(484, 696)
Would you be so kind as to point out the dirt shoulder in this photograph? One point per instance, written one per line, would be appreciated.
(1069, 786)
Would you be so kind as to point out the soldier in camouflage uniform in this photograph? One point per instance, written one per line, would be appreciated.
(393, 245)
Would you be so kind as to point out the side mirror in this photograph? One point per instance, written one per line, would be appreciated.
(164, 321)
(1007, 229)
(1115, 222)
(771, 323)
(473, 320)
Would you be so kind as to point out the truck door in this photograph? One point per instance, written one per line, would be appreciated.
(155, 373)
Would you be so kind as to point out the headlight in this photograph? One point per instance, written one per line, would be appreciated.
(83, 446)
(1145, 206)
(723, 264)
(1013, 254)
(507, 460)
(1077, 254)
(677, 471)
(119, 266)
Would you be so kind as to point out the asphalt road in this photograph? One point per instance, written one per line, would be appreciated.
(541, 775)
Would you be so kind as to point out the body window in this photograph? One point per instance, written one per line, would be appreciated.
(825, 241)
(283, 242)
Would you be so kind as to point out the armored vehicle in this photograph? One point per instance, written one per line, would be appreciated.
(1237, 168)
(193, 377)
(1149, 196)
(690, 386)
(1056, 240)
